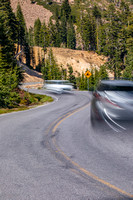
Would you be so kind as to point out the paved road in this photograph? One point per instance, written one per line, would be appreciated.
(52, 153)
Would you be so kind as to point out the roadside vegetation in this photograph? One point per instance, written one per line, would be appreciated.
(12, 31)
(25, 101)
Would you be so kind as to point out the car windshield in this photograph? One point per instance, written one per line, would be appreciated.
(58, 82)
(107, 87)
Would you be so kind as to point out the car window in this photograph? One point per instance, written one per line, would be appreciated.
(58, 82)
(107, 87)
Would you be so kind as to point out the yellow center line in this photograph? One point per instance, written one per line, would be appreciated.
(77, 165)
(68, 115)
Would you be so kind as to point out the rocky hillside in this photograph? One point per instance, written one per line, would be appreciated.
(31, 12)
(78, 59)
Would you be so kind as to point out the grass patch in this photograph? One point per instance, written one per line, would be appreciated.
(27, 101)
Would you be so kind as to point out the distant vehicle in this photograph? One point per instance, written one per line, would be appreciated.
(112, 102)
(58, 86)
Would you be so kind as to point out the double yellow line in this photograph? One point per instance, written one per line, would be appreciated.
(89, 174)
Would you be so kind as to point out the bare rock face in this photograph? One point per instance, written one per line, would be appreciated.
(78, 59)
(31, 12)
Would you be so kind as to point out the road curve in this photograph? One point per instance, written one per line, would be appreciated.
(51, 152)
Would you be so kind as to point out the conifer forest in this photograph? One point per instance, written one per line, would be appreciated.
(106, 30)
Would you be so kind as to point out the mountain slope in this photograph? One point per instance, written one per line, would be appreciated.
(31, 12)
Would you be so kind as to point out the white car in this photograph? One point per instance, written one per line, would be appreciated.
(58, 86)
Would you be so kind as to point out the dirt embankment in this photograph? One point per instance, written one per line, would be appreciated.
(78, 59)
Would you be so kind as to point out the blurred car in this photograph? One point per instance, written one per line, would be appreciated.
(58, 86)
(112, 102)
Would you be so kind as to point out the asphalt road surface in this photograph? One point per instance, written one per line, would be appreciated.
(52, 153)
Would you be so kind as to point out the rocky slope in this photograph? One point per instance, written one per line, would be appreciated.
(32, 78)
(31, 12)
(78, 59)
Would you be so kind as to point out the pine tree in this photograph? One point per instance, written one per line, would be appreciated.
(58, 28)
(129, 44)
(103, 74)
(23, 39)
(71, 76)
(64, 73)
(58, 34)
(51, 70)
(31, 36)
(49, 74)
(91, 81)
(10, 22)
(8, 83)
(8, 31)
(96, 78)
(82, 82)
(27, 53)
(88, 32)
(112, 47)
(44, 37)
(125, 12)
(66, 9)
(111, 13)
(97, 15)
(45, 69)
(3, 61)
(129, 56)
(78, 80)
(10, 74)
(9, 80)
(63, 31)
(37, 28)
(71, 37)
(86, 83)
(21, 27)
(52, 33)
(128, 73)
(103, 39)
